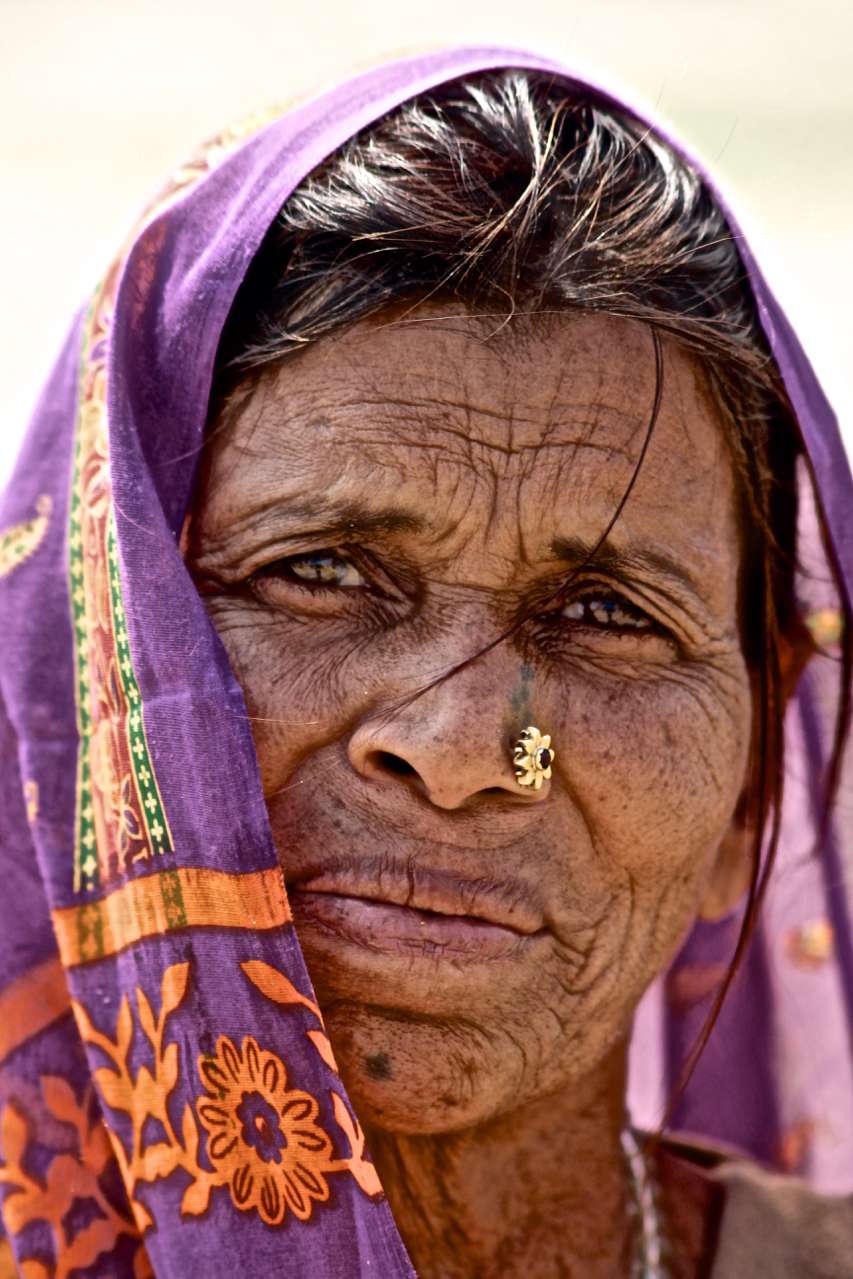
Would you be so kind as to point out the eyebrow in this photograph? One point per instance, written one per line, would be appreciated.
(622, 563)
(351, 517)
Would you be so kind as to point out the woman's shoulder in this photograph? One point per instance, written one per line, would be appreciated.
(755, 1223)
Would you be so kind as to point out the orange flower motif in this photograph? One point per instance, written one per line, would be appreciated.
(264, 1140)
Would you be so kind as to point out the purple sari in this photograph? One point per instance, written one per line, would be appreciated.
(169, 1101)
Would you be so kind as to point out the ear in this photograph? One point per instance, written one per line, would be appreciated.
(732, 869)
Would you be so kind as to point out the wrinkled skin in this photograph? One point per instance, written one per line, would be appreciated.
(490, 458)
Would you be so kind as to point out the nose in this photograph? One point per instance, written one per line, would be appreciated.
(453, 744)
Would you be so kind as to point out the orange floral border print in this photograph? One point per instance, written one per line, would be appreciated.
(155, 904)
(264, 1139)
(147, 907)
(70, 1179)
(31, 1003)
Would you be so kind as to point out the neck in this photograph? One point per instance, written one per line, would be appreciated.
(541, 1191)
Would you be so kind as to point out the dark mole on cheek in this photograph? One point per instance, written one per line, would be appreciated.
(378, 1066)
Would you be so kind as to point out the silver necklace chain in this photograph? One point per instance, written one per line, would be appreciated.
(647, 1261)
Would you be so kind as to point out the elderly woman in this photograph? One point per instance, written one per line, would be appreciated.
(405, 582)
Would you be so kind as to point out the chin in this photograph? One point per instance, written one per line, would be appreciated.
(415, 1077)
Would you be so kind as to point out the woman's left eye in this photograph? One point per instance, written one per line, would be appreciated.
(318, 568)
(604, 609)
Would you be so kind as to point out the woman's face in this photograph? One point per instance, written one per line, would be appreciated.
(379, 510)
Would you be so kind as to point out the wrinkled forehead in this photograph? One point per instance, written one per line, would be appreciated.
(512, 426)
(441, 377)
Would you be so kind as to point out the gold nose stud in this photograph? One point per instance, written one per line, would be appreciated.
(532, 757)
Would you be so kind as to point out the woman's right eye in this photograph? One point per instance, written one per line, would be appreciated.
(317, 569)
(319, 582)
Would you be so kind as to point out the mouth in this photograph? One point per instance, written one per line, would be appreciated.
(435, 917)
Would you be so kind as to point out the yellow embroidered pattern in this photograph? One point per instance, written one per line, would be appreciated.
(21, 541)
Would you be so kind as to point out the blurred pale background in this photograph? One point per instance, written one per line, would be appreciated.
(102, 98)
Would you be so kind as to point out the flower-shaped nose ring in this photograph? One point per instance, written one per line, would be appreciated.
(532, 757)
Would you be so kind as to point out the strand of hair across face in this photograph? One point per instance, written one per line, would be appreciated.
(411, 698)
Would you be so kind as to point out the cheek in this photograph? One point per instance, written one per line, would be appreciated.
(302, 689)
(654, 762)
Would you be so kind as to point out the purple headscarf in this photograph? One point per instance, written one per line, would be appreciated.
(169, 1101)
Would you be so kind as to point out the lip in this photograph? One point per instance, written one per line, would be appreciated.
(508, 903)
(390, 927)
